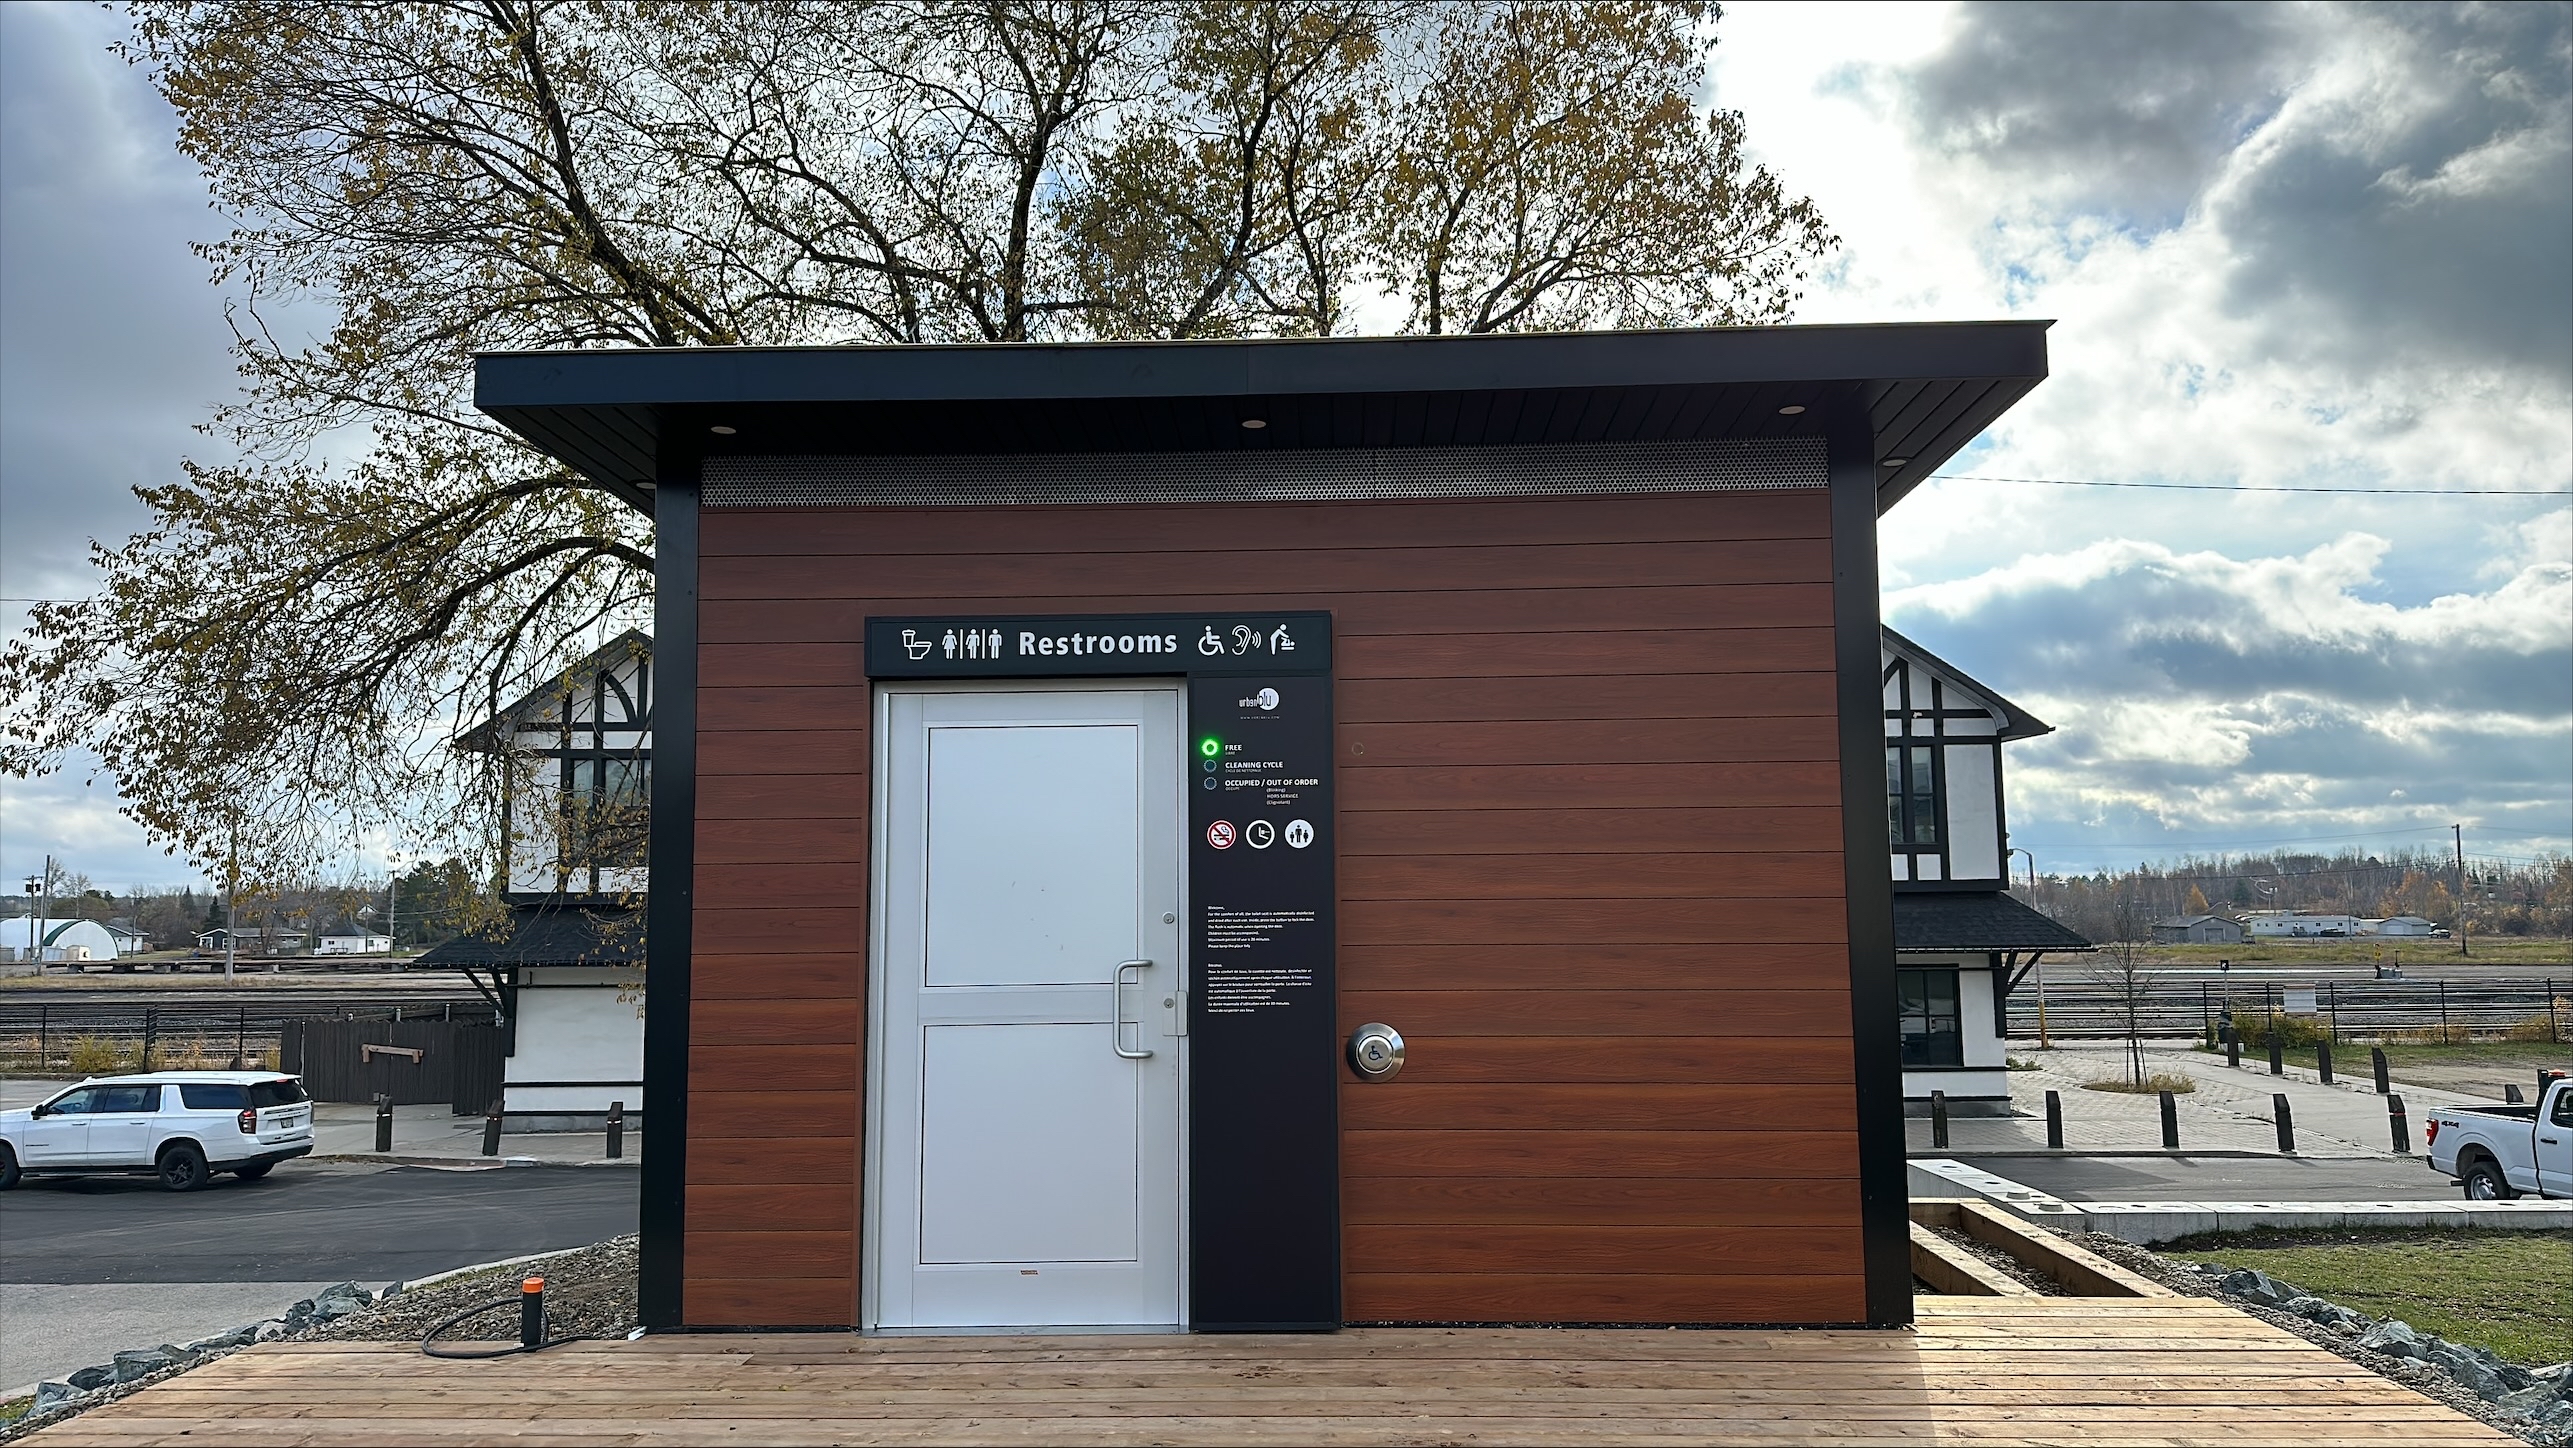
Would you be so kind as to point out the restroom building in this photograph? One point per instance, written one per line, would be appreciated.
(1074, 766)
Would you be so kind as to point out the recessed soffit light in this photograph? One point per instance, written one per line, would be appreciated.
(1896, 462)
(720, 430)
(1255, 423)
(1791, 410)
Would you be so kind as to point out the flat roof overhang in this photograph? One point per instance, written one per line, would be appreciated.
(1929, 388)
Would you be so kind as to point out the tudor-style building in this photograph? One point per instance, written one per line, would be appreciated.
(564, 969)
(1962, 943)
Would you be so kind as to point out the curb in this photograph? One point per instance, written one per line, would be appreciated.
(461, 1163)
(2042, 1153)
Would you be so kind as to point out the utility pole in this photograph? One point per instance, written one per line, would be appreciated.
(45, 911)
(393, 903)
(231, 902)
(2460, 832)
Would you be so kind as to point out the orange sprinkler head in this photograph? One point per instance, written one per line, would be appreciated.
(532, 1284)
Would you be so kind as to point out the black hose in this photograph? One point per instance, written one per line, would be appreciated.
(429, 1344)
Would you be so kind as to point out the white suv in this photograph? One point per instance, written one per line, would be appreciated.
(183, 1126)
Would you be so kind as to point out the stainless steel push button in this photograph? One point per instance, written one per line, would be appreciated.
(1376, 1051)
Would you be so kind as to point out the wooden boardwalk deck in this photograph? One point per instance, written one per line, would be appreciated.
(1983, 1372)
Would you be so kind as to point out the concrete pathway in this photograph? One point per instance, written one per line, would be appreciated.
(2230, 1111)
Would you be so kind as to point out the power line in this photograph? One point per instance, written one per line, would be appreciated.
(2285, 488)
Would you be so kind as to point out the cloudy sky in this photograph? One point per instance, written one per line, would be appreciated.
(2283, 247)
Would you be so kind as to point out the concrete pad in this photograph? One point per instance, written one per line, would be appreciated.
(48, 1330)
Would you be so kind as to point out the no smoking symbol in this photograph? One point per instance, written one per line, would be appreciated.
(1220, 834)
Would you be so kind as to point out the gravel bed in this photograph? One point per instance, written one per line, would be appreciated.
(588, 1293)
(2419, 1376)
(2002, 1262)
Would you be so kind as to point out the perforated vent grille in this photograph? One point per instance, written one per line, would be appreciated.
(1222, 477)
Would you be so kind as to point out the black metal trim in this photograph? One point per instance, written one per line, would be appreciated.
(663, 1249)
(1885, 1221)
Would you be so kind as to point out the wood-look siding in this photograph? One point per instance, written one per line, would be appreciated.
(1590, 866)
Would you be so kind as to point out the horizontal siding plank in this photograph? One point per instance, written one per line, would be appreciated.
(1625, 1297)
(761, 842)
(773, 1113)
(1602, 1201)
(1354, 615)
(1656, 695)
(783, 883)
(772, 1068)
(832, 1159)
(1579, 741)
(1584, 922)
(1496, 1250)
(1793, 1064)
(782, 798)
(1499, 1154)
(1585, 1106)
(1517, 656)
(1318, 571)
(1729, 966)
(811, 928)
(772, 1022)
(767, 1255)
(836, 706)
(839, 974)
(1720, 829)
(770, 1207)
(1185, 528)
(1425, 1016)
(1583, 877)
(782, 751)
(769, 1302)
(1588, 786)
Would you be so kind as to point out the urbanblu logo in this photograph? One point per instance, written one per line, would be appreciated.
(1265, 699)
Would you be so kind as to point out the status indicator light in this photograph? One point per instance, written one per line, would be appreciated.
(1210, 747)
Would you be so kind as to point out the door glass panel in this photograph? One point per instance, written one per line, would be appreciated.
(1032, 864)
(993, 1149)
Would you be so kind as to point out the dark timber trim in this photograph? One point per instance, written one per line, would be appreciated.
(668, 906)
(1885, 1222)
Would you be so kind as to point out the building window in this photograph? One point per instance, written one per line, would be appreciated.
(1911, 797)
(607, 810)
(1931, 1033)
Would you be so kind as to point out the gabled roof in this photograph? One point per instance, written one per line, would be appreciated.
(2016, 723)
(1976, 920)
(541, 702)
(2182, 922)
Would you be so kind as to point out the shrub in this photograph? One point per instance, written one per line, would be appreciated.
(2450, 1035)
(2159, 1081)
(2542, 1026)
(2293, 1032)
(96, 1056)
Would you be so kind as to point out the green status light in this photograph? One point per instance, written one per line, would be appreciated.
(1210, 747)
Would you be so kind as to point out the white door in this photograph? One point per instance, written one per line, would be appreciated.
(61, 1136)
(1026, 1044)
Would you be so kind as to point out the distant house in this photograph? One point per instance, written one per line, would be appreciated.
(253, 940)
(563, 970)
(2297, 925)
(2198, 929)
(350, 938)
(2406, 925)
(57, 941)
(1962, 942)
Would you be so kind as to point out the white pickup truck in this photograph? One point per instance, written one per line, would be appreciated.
(2500, 1152)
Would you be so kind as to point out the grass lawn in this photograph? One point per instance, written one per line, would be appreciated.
(2511, 1292)
(2350, 1058)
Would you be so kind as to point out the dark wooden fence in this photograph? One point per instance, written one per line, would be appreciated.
(414, 1062)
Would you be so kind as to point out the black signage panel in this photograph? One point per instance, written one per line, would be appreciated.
(1264, 1145)
(1263, 1094)
(1062, 645)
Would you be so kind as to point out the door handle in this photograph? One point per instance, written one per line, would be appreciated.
(1117, 1011)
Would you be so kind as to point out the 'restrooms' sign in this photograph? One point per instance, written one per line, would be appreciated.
(1061, 645)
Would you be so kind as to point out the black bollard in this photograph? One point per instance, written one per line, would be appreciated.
(2170, 1122)
(2277, 1056)
(2233, 1050)
(2323, 1060)
(2286, 1123)
(531, 1312)
(491, 1131)
(2376, 1058)
(2054, 1121)
(383, 1122)
(2511, 1095)
(616, 1130)
(2402, 1128)
(1938, 1118)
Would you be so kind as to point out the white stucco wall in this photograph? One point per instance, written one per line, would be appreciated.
(572, 1027)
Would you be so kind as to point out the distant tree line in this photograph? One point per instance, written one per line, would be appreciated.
(2503, 897)
(435, 901)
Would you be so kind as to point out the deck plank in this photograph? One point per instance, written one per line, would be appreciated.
(2115, 1374)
